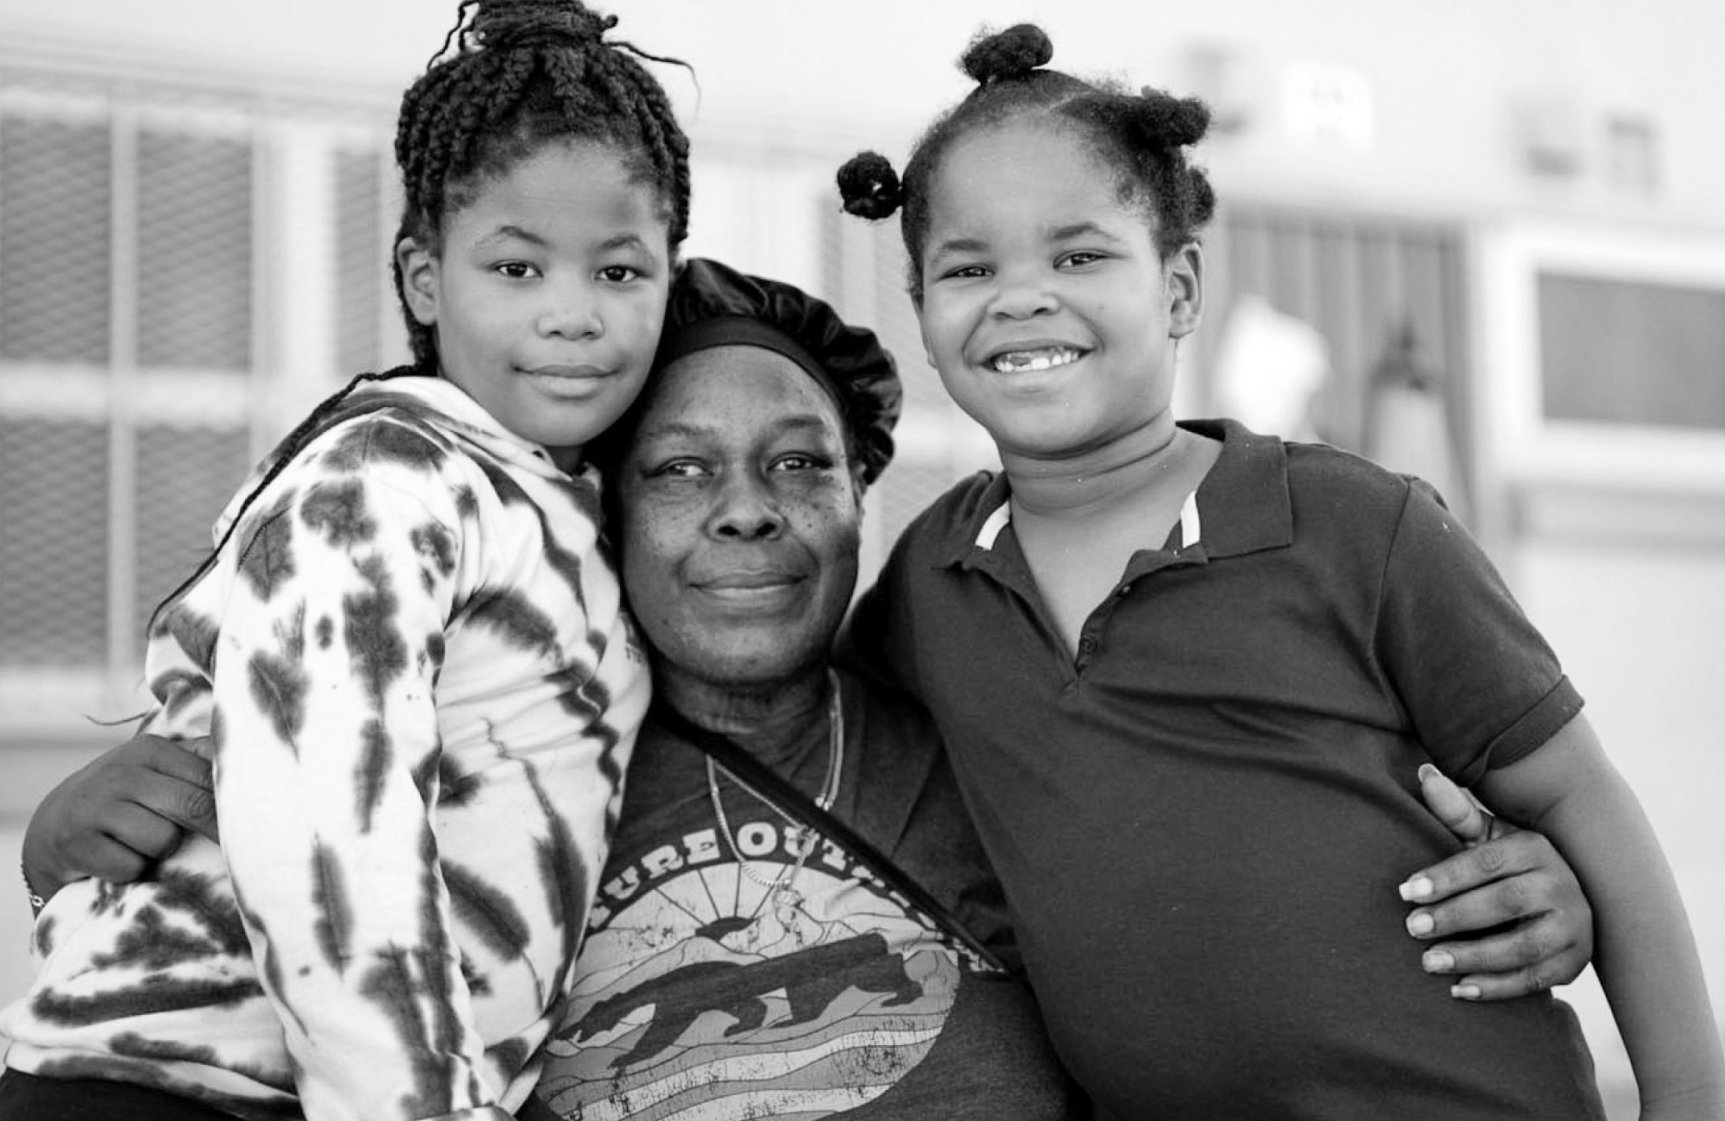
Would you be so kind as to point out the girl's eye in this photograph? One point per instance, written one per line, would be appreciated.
(1080, 258)
(967, 272)
(515, 270)
(618, 274)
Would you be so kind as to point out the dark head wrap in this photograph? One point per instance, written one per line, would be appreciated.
(715, 305)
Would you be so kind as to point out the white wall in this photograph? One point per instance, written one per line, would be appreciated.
(1444, 80)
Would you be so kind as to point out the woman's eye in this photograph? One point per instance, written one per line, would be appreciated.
(678, 469)
(801, 461)
(516, 270)
(618, 274)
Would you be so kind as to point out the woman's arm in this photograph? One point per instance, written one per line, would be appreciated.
(1647, 961)
(1509, 881)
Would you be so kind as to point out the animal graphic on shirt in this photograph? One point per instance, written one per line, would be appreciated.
(810, 980)
(704, 995)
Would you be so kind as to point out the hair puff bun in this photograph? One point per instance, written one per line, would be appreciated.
(1177, 122)
(1012, 53)
(869, 186)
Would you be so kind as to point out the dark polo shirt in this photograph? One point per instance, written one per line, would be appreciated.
(1202, 819)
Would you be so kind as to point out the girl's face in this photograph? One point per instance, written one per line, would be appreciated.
(740, 518)
(548, 293)
(1046, 307)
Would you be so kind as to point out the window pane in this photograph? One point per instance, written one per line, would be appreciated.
(194, 251)
(185, 477)
(54, 257)
(54, 545)
(1630, 352)
(359, 254)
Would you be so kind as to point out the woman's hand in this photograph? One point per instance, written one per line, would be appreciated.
(118, 815)
(1506, 877)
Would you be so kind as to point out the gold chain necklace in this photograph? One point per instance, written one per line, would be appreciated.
(798, 836)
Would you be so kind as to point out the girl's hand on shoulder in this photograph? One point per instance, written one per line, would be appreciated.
(1507, 878)
(119, 814)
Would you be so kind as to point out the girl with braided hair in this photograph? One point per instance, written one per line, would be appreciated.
(408, 653)
(1165, 655)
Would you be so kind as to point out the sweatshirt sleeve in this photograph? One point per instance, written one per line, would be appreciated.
(326, 776)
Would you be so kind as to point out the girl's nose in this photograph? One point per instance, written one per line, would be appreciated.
(571, 311)
(1022, 295)
(745, 509)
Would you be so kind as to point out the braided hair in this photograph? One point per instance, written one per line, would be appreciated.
(1143, 136)
(513, 76)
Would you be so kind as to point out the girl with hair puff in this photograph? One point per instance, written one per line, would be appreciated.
(408, 651)
(1166, 655)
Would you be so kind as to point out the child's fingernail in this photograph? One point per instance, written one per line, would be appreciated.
(1464, 992)
(1436, 961)
(1419, 923)
(1415, 889)
(1427, 771)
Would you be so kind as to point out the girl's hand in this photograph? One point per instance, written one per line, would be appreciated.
(1506, 876)
(119, 814)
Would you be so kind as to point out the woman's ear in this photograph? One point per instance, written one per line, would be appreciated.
(1184, 276)
(420, 279)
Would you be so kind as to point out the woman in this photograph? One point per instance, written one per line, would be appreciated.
(740, 963)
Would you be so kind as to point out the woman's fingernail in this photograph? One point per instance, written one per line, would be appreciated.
(1415, 889)
(1464, 992)
(1427, 771)
(1419, 923)
(1436, 961)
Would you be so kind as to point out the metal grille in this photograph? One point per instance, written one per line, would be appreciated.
(54, 230)
(53, 542)
(361, 251)
(185, 477)
(137, 284)
(194, 251)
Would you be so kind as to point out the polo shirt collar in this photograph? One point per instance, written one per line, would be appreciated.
(1242, 506)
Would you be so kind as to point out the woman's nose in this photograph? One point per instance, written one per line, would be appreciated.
(746, 509)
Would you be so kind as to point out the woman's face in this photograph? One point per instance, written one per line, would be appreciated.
(740, 518)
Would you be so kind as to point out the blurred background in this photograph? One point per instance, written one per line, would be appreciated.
(1478, 241)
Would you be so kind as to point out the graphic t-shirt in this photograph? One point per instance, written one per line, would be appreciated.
(792, 982)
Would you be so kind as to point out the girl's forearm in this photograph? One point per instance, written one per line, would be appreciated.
(1645, 952)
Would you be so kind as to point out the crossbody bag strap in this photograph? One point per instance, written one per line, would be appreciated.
(777, 789)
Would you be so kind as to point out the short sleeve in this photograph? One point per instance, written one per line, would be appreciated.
(1480, 684)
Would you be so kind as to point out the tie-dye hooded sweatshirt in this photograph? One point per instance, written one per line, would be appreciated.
(422, 691)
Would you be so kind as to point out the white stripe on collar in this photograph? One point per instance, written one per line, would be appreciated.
(993, 525)
(1190, 526)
